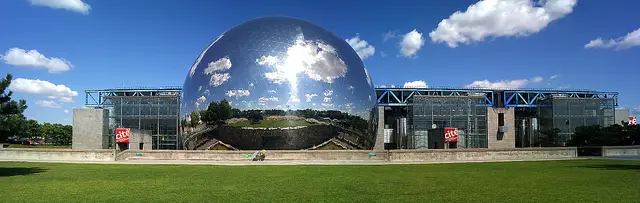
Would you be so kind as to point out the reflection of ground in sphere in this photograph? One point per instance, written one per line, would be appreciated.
(278, 83)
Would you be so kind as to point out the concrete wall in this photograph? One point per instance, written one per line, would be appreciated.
(429, 155)
(241, 155)
(621, 150)
(140, 136)
(89, 128)
(622, 115)
(495, 139)
(440, 155)
(22, 154)
(380, 132)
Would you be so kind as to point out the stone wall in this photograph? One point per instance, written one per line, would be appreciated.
(621, 150)
(216, 155)
(445, 155)
(25, 154)
(302, 138)
(430, 155)
(496, 140)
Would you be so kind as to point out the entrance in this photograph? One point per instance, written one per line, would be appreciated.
(123, 146)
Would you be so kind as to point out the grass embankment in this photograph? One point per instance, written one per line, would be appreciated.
(273, 123)
(544, 181)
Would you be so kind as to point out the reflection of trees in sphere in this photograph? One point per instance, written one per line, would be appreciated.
(279, 83)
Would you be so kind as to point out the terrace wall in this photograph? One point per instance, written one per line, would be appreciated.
(27, 154)
(633, 150)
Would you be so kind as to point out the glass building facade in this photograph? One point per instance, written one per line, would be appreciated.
(154, 112)
(467, 113)
(567, 114)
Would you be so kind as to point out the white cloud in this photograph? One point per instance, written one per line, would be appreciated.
(33, 58)
(310, 96)
(537, 79)
(328, 92)
(200, 100)
(327, 105)
(237, 93)
(43, 88)
(411, 43)
(251, 84)
(319, 61)
(266, 99)
(499, 18)
(48, 104)
(267, 60)
(222, 64)
(61, 99)
(415, 84)
(271, 91)
(635, 111)
(361, 47)
(553, 77)
(72, 5)
(66, 111)
(351, 87)
(632, 39)
(326, 100)
(504, 84)
(389, 35)
(199, 88)
(294, 99)
(218, 78)
(206, 92)
(215, 68)
(383, 55)
(275, 77)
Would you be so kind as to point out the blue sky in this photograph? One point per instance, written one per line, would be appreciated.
(91, 44)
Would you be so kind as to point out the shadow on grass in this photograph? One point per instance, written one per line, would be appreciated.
(613, 167)
(19, 171)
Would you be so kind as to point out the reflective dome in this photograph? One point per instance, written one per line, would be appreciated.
(278, 83)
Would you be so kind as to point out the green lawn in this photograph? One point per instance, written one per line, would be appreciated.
(272, 123)
(548, 181)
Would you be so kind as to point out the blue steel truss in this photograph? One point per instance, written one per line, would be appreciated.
(402, 96)
(530, 98)
(510, 98)
(97, 98)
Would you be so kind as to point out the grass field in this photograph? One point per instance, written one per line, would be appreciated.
(548, 181)
(273, 123)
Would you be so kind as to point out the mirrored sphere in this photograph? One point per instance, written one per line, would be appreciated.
(278, 83)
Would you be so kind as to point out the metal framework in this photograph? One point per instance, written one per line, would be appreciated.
(96, 98)
(403, 96)
(530, 98)
(507, 98)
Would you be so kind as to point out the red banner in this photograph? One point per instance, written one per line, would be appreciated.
(632, 120)
(122, 135)
(451, 134)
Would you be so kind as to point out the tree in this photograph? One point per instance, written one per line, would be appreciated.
(32, 130)
(256, 116)
(217, 112)
(224, 110)
(10, 111)
(195, 118)
(549, 138)
(57, 134)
